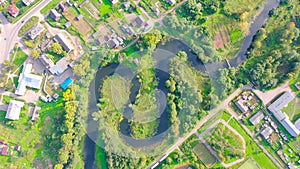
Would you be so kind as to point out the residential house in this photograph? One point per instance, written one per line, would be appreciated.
(62, 7)
(4, 149)
(130, 31)
(101, 41)
(26, 79)
(14, 109)
(36, 31)
(114, 43)
(156, 11)
(64, 42)
(255, 119)
(267, 132)
(283, 118)
(68, 24)
(56, 69)
(46, 61)
(80, 16)
(114, 1)
(171, 2)
(54, 14)
(127, 5)
(140, 20)
(243, 108)
(83, 3)
(28, 2)
(13, 10)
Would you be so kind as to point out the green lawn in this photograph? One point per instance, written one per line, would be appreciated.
(249, 164)
(20, 57)
(6, 99)
(28, 25)
(106, 8)
(50, 6)
(204, 155)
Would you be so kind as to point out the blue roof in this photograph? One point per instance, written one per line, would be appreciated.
(66, 83)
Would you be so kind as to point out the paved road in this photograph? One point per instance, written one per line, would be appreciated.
(10, 31)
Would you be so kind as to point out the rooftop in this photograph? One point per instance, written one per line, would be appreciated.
(14, 109)
(255, 119)
(36, 30)
(13, 10)
(26, 79)
(276, 107)
(65, 43)
(267, 132)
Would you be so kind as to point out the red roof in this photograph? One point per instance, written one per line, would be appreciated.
(4, 150)
(13, 10)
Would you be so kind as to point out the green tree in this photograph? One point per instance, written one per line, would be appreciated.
(35, 54)
(56, 48)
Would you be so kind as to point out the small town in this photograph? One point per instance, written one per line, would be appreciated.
(179, 84)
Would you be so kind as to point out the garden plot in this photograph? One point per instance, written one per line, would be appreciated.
(227, 143)
(92, 10)
(204, 155)
(81, 25)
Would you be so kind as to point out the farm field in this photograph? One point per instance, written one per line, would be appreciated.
(204, 155)
(249, 164)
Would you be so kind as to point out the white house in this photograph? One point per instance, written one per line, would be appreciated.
(26, 79)
(14, 109)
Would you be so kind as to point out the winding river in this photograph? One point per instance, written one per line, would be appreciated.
(173, 46)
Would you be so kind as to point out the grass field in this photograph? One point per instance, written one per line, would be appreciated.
(20, 57)
(249, 164)
(204, 155)
(49, 6)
